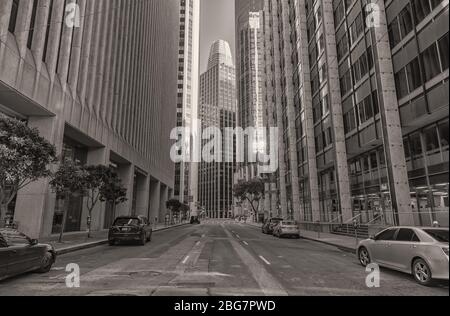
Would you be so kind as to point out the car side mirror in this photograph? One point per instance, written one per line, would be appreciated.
(34, 242)
(372, 237)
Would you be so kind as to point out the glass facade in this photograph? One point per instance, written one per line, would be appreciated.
(74, 151)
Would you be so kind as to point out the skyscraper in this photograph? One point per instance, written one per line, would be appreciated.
(103, 92)
(187, 102)
(361, 94)
(250, 79)
(218, 109)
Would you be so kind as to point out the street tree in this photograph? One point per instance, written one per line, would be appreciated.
(112, 191)
(68, 181)
(174, 206)
(96, 178)
(250, 191)
(25, 157)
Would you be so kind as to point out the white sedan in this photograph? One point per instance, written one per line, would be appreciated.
(422, 252)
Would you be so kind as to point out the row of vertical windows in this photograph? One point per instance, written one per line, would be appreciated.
(408, 18)
(364, 111)
(435, 60)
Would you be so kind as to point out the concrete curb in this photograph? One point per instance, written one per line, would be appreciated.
(102, 242)
(340, 247)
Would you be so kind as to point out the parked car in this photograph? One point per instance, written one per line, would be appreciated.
(287, 228)
(130, 228)
(269, 225)
(20, 254)
(422, 252)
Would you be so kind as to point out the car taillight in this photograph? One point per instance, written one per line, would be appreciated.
(445, 250)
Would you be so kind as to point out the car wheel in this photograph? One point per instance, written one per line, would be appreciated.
(422, 272)
(46, 263)
(364, 257)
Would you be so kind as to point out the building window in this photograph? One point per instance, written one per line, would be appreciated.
(443, 51)
(13, 18)
(32, 24)
(47, 32)
(431, 62)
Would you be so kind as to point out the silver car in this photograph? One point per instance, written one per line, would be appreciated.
(422, 252)
(286, 228)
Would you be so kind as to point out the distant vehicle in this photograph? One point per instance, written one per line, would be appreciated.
(422, 252)
(195, 220)
(287, 228)
(130, 228)
(270, 224)
(20, 254)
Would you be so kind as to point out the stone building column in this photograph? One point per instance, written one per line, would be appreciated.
(126, 174)
(155, 201)
(279, 114)
(297, 208)
(392, 129)
(306, 100)
(143, 195)
(164, 195)
(5, 13)
(341, 163)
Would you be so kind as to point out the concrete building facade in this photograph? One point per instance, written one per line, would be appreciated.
(99, 82)
(218, 110)
(360, 91)
(187, 103)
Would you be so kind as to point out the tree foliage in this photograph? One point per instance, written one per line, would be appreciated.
(251, 191)
(112, 189)
(25, 157)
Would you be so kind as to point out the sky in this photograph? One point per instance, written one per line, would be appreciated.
(216, 22)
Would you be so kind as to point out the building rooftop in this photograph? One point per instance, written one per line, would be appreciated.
(220, 53)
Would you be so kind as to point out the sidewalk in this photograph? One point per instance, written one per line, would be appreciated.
(344, 243)
(78, 241)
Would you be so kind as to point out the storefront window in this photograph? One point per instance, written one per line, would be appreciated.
(74, 151)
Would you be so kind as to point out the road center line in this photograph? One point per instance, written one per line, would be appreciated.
(237, 236)
(265, 260)
(245, 243)
(185, 259)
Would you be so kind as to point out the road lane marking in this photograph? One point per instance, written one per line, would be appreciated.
(185, 259)
(198, 243)
(245, 243)
(266, 281)
(238, 237)
(265, 260)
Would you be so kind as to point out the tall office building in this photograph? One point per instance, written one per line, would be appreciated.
(360, 93)
(218, 109)
(250, 78)
(102, 91)
(187, 104)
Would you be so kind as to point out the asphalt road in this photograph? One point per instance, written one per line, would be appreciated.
(215, 259)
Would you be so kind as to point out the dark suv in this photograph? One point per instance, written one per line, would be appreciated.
(270, 224)
(130, 228)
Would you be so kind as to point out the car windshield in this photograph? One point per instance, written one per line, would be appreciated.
(14, 238)
(126, 222)
(438, 234)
